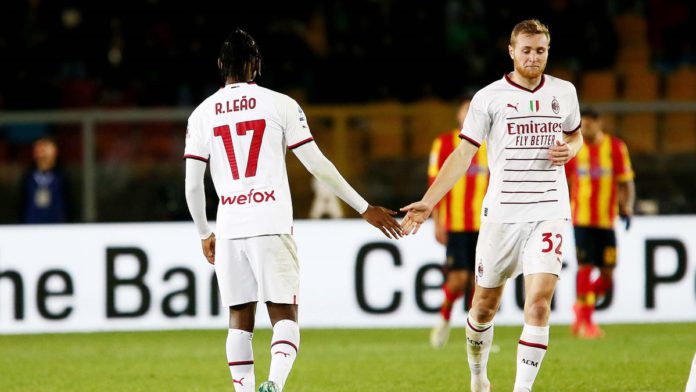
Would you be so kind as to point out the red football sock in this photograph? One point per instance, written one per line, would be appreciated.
(601, 285)
(586, 312)
(583, 285)
(450, 298)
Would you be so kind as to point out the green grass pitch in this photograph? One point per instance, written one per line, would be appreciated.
(636, 358)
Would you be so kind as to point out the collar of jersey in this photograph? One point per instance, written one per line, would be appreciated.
(541, 84)
(238, 84)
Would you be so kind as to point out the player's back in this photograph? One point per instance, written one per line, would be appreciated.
(245, 128)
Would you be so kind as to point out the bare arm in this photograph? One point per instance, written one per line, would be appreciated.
(627, 197)
(440, 232)
(561, 152)
(574, 141)
(452, 170)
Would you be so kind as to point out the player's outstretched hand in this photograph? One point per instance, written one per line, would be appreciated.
(209, 248)
(383, 219)
(559, 153)
(416, 214)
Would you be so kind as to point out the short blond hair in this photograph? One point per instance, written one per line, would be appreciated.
(529, 27)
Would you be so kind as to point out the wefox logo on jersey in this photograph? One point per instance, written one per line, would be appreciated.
(250, 198)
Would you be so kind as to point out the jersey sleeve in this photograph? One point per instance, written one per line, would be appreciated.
(197, 144)
(572, 121)
(478, 121)
(434, 160)
(622, 164)
(297, 130)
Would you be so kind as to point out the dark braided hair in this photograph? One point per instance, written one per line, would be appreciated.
(240, 57)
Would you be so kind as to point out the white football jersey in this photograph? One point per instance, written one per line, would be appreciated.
(519, 125)
(242, 131)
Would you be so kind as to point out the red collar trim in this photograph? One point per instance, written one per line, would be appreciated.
(541, 84)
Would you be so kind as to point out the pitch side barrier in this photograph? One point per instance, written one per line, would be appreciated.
(409, 129)
(122, 277)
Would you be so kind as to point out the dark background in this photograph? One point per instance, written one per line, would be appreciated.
(58, 55)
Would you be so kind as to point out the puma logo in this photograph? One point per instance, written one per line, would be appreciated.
(513, 106)
(280, 352)
(238, 381)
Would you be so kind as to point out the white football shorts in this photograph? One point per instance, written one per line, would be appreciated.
(257, 269)
(504, 250)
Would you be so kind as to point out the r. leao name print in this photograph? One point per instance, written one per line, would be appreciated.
(236, 105)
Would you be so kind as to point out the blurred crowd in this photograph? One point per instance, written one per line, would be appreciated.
(78, 53)
(74, 54)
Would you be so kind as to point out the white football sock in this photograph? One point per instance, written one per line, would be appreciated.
(691, 384)
(240, 358)
(479, 337)
(284, 346)
(530, 352)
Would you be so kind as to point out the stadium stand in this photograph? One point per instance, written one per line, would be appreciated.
(372, 121)
(679, 132)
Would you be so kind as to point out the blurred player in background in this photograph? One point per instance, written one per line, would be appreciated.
(243, 131)
(529, 122)
(457, 219)
(601, 184)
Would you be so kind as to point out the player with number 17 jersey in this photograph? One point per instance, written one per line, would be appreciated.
(245, 129)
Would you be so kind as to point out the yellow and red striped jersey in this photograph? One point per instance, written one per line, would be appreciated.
(460, 209)
(593, 176)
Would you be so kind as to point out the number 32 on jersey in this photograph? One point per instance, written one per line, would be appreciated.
(547, 239)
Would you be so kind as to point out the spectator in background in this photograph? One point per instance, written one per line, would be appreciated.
(44, 187)
(325, 203)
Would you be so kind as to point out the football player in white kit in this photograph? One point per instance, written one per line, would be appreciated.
(243, 131)
(530, 123)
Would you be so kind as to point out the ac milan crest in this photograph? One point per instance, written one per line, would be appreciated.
(480, 270)
(555, 106)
